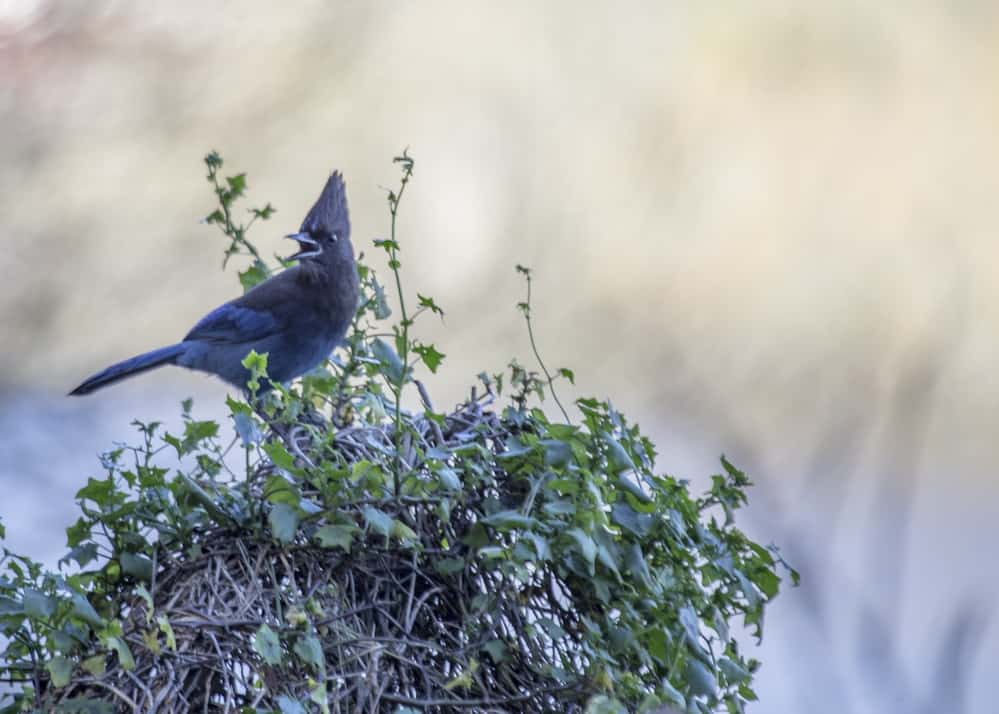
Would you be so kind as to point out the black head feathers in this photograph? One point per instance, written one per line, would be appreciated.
(329, 214)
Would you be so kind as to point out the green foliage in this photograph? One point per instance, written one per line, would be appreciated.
(379, 559)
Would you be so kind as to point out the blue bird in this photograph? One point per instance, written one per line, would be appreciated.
(297, 317)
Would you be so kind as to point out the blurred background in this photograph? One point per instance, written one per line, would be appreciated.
(765, 229)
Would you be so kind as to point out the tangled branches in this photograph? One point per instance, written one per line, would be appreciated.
(421, 626)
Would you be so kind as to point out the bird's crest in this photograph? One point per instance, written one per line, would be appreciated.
(330, 209)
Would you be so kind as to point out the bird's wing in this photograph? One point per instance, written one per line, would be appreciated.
(233, 324)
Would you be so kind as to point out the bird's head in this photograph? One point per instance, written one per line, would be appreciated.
(325, 232)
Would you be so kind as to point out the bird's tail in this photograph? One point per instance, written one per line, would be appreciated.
(130, 367)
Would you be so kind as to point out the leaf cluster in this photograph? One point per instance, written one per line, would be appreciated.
(343, 553)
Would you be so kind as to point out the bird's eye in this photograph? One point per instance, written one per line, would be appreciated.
(335, 237)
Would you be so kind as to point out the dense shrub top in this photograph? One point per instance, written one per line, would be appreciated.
(360, 556)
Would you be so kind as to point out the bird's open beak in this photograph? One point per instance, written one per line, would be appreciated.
(308, 246)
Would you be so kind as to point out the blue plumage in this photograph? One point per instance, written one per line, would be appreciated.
(297, 317)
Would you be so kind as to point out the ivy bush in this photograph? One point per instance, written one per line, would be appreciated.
(345, 553)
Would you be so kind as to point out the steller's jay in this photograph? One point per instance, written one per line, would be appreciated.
(297, 317)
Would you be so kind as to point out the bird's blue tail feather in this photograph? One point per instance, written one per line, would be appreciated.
(130, 367)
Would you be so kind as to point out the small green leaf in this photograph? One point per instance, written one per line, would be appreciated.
(633, 488)
(509, 520)
(429, 303)
(266, 644)
(587, 547)
(263, 213)
(628, 518)
(257, 366)
(283, 520)
(657, 641)
(430, 356)
(403, 532)
(767, 581)
(280, 457)
(167, 629)
(237, 184)
(448, 478)
(564, 486)
(287, 705)
(491, 552)
(60, 669)
(125, 658)
(690, 622)
(310, 651)
(671, 693)
(95, 665)
(38, 604)
(151, 639)
(618, 457)
(700, 679)
(733, 671)
(98, 491)
(197, 431)
(138, 566)
(541, 545)
(254, 275)
(389, 360)
(379, 520)
(336, 536)
(85, 611)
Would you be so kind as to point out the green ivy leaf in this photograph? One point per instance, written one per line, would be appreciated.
(287, 705)
(95, 665)
(336, 536)
(283, 520)
(448, 478)
(267, 645)
(639, 524)
(237, 184)
(389, 360)
(428, 303)
(125, 658)
(38, 604)
(167, 629)
(138, 566)
(430, 356)
(61, 669)
(378, 520)
(403, 532)
(310, 651)
(85, 611)
(254, 275)
(733, 671)
(618, 457)
(263, 213)
(700, 679)
(509, 520)
(587, 547)
(280, 457)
